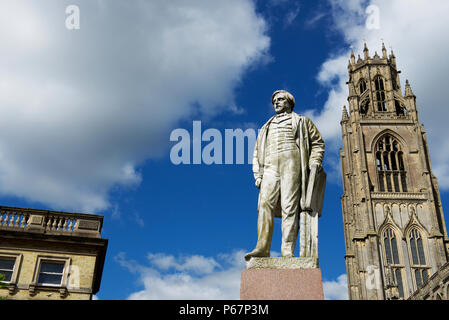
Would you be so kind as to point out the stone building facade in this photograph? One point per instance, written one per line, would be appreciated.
(395, 235)
(50, 255)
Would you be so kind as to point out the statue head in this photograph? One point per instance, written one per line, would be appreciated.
(282, 101)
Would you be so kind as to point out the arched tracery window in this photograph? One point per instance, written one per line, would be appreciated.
(391, 247)
(390, 165)
(418, 258)
(393, 258)
(380, 94)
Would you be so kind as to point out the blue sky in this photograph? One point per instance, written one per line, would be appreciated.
(87, 116)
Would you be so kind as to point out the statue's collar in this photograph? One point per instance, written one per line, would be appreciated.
(283, 114)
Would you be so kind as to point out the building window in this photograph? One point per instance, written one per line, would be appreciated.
(418, 257)
(391, 247)
(416, 248)
(391, 172)
(392, 257)
(362, 86)
(51, 273)
(7, 267)
(380, 94)
(398, 275)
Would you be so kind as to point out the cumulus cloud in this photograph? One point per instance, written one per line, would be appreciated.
(187, 277)
(336, 289)
(197, 277)
(81, 109)
(420, 50)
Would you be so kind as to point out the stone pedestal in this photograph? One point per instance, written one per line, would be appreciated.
(281, 279)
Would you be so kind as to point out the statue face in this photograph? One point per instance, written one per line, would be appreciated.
(280, 103)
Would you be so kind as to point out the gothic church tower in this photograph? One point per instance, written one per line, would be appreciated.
(395, 235)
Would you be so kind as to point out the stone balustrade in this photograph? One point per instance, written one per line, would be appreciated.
(50, 222)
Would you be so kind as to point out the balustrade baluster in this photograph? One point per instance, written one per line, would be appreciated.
(22, 224)
(52, 224)
(48, 227)
(64, 226)
(1, 218)
(60, 223)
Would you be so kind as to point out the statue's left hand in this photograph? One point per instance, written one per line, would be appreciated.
(258, 182)
(316, 166)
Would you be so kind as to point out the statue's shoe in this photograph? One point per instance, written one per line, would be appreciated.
(256, 253)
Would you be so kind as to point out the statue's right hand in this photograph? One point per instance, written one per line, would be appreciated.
(258, 182)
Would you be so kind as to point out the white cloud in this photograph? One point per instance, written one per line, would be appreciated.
(188, 277)
(420, 49)
(81, 109)
(336, 290)
(196, 264)
(197, 277)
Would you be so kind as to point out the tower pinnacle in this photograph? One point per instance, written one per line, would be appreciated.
(384, 51)
(365, 52)
(408, 89)
(345, 115)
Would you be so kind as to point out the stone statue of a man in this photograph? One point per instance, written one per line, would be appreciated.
(289, 147)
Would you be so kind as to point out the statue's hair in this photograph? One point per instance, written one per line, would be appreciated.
(289, 96)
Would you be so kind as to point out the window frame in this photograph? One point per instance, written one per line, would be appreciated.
(379, 93)
(363, 83)
(395, 267)
(17, 263)
(52, 259)
(414, 268)
(390, 164)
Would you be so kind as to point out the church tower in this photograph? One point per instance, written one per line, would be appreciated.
(395, 234)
